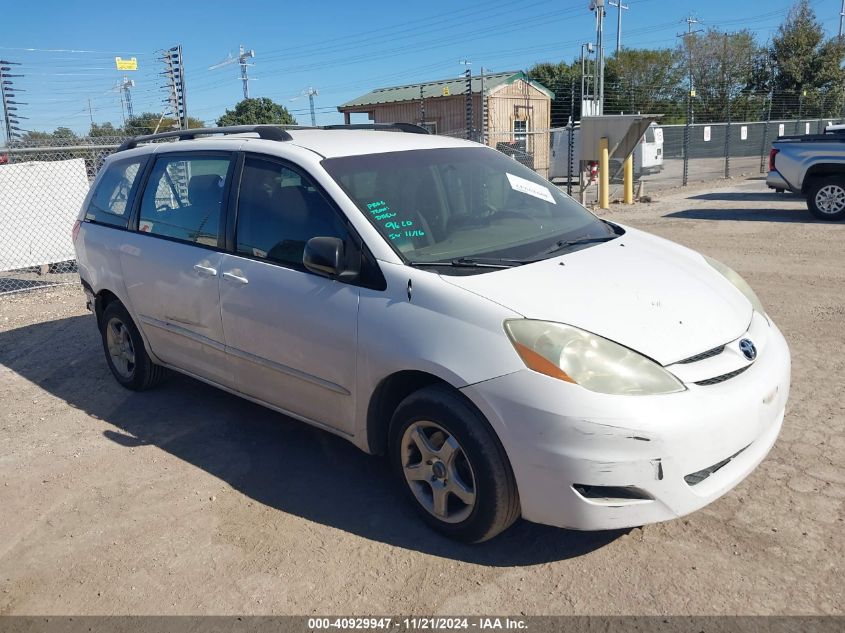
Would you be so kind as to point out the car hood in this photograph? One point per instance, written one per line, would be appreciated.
(641, 291)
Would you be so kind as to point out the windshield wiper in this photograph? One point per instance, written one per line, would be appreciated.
(475, 262)
(563, 244)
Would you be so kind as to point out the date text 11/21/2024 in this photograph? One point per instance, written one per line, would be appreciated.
(419, 623)
(396, 228)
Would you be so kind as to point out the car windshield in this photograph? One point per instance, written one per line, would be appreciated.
(460, 206)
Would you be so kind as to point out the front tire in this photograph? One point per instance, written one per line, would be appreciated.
(826, 198)
(451, 466)
(126, 355)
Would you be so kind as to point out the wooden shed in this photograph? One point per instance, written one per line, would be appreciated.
(517, 121)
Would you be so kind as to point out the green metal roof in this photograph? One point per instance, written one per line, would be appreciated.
(433, 89)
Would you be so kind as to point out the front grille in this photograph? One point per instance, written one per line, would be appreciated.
(708, 354)
(693, 479)
(717, 379)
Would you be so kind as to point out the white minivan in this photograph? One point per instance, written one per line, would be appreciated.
(433, 300)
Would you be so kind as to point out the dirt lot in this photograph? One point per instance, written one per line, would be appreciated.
(189, 500)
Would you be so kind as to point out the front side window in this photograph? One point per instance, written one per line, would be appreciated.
(183, 198)
(110, 200)
(438, 205)
(279, 210)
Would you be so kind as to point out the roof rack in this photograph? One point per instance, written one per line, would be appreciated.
(410, 128)
(269, 132)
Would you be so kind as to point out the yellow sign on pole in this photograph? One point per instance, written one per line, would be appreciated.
(126, 64)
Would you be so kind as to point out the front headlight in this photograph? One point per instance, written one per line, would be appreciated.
(567, 353)
(739, 283)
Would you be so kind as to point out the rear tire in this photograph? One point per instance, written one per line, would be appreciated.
(126, 355)
(451, 466)
(826, 198)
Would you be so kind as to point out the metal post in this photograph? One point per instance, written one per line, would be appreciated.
(182, 89)
(468, 75)
(728, 141)
(604, 176)
(422, 107)
(628, 180)
(765, 146)
(570, 140)
(484, 112)
(800, 109)
(686, 139)
(599, 4)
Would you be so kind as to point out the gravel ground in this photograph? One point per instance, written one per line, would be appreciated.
(189, 500)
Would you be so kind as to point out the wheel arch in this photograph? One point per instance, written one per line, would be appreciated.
(387, 396)
(819, 171)
(101, 301)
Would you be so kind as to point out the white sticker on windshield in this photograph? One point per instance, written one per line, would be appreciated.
(531, 188)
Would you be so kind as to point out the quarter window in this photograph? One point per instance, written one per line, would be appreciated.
(183, 198)
(110, 201)
(279, 210)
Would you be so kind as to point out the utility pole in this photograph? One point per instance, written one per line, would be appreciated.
(8, 93)
(243, 61)
(588, 93)
(690, 94)
(841, 16)
(598, 7)
(125, 86)
(311, 92)
(620, 7)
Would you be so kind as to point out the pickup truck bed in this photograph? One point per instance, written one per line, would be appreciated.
(813, 166)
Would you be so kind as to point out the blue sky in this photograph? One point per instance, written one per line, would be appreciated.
(343, 49)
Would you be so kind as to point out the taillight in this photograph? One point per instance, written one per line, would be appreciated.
(772, 155)
(75, 230)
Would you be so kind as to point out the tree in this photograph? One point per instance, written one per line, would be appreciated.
(723, 72)
(560, 78)
(104, 129)
(805, 62)
(148, 122)
(647, 81)
(255, 111)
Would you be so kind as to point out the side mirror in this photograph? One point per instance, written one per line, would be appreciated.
(324, 256)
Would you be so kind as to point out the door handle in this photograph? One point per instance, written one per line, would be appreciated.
(236, 277)
(205, 270)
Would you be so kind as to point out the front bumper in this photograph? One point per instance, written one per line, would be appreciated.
(559, 437)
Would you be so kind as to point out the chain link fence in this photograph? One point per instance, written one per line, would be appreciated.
(43, 184)
(42, 187)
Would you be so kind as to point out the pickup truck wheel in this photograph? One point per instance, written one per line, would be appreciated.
(826, 198)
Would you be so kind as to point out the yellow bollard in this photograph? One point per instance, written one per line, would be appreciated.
(628, 197)
(604, 174)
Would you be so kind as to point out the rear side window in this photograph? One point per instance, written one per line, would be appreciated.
(110, 200)
(649, 135)
(183, 198)
(279, 210)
